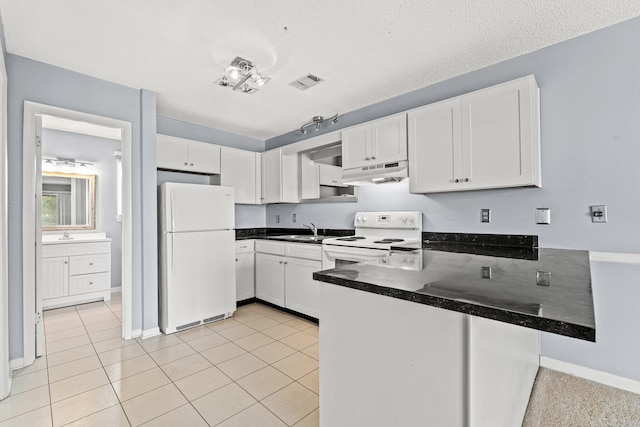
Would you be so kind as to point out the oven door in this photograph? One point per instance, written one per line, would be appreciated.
(337, 256)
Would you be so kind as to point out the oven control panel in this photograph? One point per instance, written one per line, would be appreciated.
(390, 219)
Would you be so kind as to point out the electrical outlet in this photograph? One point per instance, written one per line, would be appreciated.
(599, 213)
(486, 273)
(293, 217)
(485, 215)
(543, 216)
(277, 219)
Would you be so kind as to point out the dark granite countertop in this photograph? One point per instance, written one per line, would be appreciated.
(269, 233)
(450, 277)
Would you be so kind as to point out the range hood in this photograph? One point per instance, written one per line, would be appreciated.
(376, 174)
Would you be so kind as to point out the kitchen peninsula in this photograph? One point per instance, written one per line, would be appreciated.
(451, 341)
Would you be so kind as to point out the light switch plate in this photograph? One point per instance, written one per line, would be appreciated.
(543, 278)
(543, 216)
(599, 213)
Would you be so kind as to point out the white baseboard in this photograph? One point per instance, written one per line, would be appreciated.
(625, 258)
(16, 363)
(148, 333)
(116, 289)
(136, 333)
(591, 374)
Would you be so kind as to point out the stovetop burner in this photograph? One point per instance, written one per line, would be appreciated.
(350, 238)
(389, 240)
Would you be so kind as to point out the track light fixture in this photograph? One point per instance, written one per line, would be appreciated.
(317, 121)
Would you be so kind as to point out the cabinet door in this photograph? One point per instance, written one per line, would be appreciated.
(356, 147)
(245, 276)
(55, 277)
(435, 148)
(500, 136)
(172, 153)
(271, 191)
(302, 293)
(204, 158)
(330, 175)
(389, 139)
(270, 278)
(238, 170)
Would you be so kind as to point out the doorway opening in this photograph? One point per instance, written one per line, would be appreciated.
(79, 165)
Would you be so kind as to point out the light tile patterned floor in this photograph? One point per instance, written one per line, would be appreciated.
(259, 368)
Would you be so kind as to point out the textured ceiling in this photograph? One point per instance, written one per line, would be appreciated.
(366, 51)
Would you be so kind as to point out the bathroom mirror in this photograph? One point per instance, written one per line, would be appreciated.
(68, 201)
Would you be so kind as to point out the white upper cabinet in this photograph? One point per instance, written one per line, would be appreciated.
(435, 147)
(271, 190)
(240, 169)
(379, 141)
(280, 177)
(485, 139)
(185, 155)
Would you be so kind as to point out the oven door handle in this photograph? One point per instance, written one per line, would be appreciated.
(354, 253)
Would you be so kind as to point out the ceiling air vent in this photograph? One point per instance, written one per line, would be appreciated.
(305, 82)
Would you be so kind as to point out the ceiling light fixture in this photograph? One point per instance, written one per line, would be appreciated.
(241, 75)
(63, 161)
(317, 121)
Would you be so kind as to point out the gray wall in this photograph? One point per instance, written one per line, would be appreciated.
(590, 135)
(99, 151)
(46, 84)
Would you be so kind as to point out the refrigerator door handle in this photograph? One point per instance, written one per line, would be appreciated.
(173, 220)
(173, 257)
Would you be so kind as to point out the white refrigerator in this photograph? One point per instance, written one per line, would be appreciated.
(197, 259)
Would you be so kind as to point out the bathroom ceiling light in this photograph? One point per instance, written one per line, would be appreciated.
(317, 121)
(63, 161)
(241, 75)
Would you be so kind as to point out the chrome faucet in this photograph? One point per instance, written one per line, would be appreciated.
(311, 227)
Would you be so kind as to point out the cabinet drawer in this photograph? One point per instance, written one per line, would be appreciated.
(304, 250)
(70, 249)
(270, 247)
(85, 264)
(89, 283)
(244, 246)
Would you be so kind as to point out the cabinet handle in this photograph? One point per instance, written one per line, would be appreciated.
(367, 158)
(90, 263)
(286, 262)
(280, 262)
(190, 164)
(66, 262)
(91, 283)
(236, 259)
(456, 180)
(186, 164)
(466, 180)
(373, 157)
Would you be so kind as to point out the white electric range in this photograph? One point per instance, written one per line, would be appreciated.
(375, 234)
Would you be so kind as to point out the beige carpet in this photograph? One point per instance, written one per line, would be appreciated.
(563, 400)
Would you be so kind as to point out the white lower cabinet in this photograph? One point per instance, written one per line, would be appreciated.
(284, 275)
(75, 272)
(245, 270)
